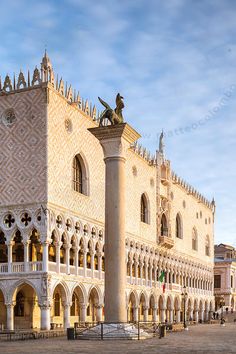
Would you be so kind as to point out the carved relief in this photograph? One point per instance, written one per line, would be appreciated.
(8, 117)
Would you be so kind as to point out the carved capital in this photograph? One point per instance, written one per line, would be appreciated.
(115, 139)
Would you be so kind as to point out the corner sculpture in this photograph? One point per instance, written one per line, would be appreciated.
(113, 115)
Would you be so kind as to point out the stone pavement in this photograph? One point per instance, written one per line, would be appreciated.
(207, 339)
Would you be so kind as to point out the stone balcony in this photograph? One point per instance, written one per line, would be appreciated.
(218, 291)
(37, 267)
(166, 241)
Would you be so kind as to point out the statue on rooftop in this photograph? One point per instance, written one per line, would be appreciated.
(161, 143)
(113, 115)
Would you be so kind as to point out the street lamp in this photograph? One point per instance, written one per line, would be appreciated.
(184, 295)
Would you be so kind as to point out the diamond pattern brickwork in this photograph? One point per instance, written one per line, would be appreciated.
(23, 148)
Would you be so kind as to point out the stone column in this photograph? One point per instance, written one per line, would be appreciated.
(10, 316)
(99, 313)
(26, 255)
(66, 315)
(178, 315)
(115, 140)
(171, 316)
(145, 313)
(141, 273)
(135, 313)
(92, 262)
(84, 262)
(58, 261)
(99, 254)
(196, 315)
(67, 248)
(45, 256)
(162, 313)
(150, 274)
(146, 274)
(45, 317)
(83, 309)
(154, 314)
(136, 272)
(76, 252)
(9, 252)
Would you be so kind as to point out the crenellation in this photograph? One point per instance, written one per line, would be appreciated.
(190, 190)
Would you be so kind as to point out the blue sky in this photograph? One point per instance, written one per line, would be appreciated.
(173, 61)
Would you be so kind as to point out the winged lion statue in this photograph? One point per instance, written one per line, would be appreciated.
(113, 115)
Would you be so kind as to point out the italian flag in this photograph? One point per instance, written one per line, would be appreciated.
(162, 281)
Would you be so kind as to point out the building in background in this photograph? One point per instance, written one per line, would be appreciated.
(52, 180)
(225, 277)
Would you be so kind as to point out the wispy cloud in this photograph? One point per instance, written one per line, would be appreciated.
(173, 61)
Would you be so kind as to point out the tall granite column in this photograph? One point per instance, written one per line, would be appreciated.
(115, 140)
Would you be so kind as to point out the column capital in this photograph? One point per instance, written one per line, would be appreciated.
(99, 306)
(67, 305)
(9, 304)
(115, 139)
(82, 306)
(44, 304)
(10, 243)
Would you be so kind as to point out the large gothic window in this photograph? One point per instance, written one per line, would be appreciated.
(178, 226)
(80, 177)
(194, 239)
(77, 175)
(144, 209)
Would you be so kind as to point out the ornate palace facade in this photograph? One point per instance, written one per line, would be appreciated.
(52, 179)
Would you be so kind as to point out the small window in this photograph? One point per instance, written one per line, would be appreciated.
(144, 209)
(217, 281)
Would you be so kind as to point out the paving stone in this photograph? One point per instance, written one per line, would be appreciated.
(201, 339)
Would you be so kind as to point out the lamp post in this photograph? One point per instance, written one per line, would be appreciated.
(184, 295)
